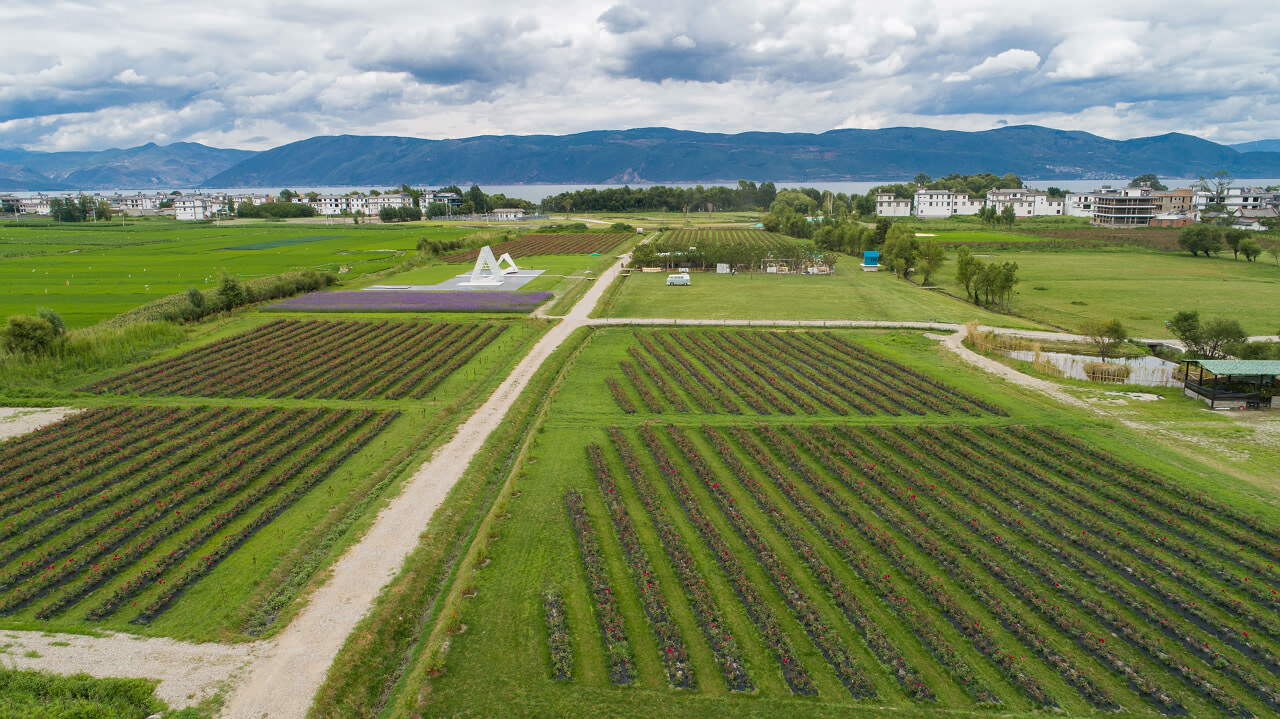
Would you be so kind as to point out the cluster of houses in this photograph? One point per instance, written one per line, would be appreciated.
(1107, 207)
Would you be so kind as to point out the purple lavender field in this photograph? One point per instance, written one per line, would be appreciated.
(404, 301)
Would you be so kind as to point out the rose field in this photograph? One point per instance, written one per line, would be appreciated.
(728, 238)
(316, 359)
(555, 244)
(917, 544)
(113, 515)
(410, 301)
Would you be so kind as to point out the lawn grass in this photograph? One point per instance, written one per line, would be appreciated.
(91, 273)
(849, 294)
(39, 695)
(1140, 288)
(534, 549)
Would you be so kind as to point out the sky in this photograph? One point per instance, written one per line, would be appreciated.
(253, 75)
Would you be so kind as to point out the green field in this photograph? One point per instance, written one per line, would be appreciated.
(1141, 289)
(88, 273)
(293, 524)
(849, 294)
(855, 581)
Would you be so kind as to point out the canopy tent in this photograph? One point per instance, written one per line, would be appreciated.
(1231, 382)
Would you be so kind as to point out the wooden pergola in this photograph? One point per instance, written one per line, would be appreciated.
(1217, 381)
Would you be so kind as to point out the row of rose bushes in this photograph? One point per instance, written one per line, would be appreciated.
(937, 538)
(665, 390)
(780, 353)
(671, 646)
(1224, 565)
(18, 456)
(715, 389)
(724, 647)
(647, 397)
(825, 637)
(161, 507)
(557, 636)
(1193, 504)
(1205, 515)
(1033, 481)
(955, 534)
(969, 625)
(261, 476)
(804, 394)
(870, 571)
(911, 376)
(26, 501)
(324, 463)
(110, 504)
(884, 648)
(739, 380)
(617, 648)
(753, 600)
(700, 396)
(1170, 625)
(620, 395)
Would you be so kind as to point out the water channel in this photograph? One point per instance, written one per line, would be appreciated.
(1144, 371)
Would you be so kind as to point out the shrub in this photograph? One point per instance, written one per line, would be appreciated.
(27, 334)
(53, 318)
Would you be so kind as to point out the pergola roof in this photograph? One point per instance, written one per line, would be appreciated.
(1241, 367)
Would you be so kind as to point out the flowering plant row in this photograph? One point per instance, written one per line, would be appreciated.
(671, 647)
(323, 467)
(163, 508)
(758, 608)
(881, 645)
(724, 648)
(313, 358)
(553, 244)
(878, 382)
(686, 382)
(981, 637)
(906, 373)
(715, 389)
(1153, 499)
(1194, 505)
(869, 570)
(803, 394)
(741, 382)
(1119, 626)
(797, 367)
(1093, 528)
(651, 402)
(665, 389)
(825, 637)
(413, 301)
(620, 395)
(21, 458)
(616, 646)
(1171, 626)
(1224, 565)
(557, 636)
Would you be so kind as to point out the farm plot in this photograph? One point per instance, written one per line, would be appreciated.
(771, 373)
(113, 515)
(1009, 567)
(743, 249)
(315, 359)
(726, 238)
(530, 245)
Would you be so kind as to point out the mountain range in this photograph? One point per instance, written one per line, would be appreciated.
(641, 155)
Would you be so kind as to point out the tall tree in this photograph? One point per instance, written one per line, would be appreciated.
(1151, 180)
(1104, 335)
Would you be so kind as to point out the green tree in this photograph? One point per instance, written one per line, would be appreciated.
(1207, 340)
(1151, 180)
(1250, 248)
(883, 225)
(1199, 238)
(1233, 236)
(932, 257)
(230, 293)
(901, 249)
(1104, 335)
(967, 269)
(312, 196)
(1008, 215)
(53, 318)
(27, 334)
(922, 179)
(287, 195)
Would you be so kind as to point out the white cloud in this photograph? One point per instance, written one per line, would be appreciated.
(238, 73)
(1008, 62)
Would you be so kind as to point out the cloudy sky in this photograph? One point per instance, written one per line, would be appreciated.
(254, 75)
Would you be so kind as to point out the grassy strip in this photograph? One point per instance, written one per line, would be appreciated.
(386, 642)
(38, 695)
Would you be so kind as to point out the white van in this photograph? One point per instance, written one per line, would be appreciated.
(680, 279)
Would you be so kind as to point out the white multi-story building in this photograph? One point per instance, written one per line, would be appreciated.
(374, 204)
(195, 207)
(890, 205)
(38, 205)
(1249, 200)
(1026, 203)
(1119, 207)
(936, 204)
(135, 203)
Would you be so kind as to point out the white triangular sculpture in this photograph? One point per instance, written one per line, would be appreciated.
(489, 272)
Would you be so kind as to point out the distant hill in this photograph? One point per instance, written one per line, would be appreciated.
(664, 155)
(1258, 146)
(151, 166)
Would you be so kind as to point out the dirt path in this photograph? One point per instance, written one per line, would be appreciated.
(188, 673)
(282, 682)
(20, 420)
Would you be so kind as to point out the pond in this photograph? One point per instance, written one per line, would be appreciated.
(1145, 371)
